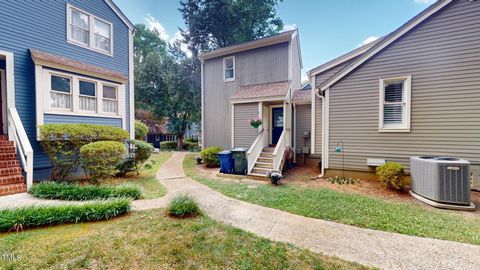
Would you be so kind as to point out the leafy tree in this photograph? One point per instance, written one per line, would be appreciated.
(213, 24)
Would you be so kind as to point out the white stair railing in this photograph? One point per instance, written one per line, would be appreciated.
(256, 149)
(17, 134)
(279, 150)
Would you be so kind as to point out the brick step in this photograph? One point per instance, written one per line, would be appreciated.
(12, 189)
(7, 149)
(10, 171)
(8, 156)
(9, 163)
(3, 138)
(6, 143)
(11, 179)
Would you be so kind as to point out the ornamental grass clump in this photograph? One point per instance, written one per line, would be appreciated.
(392, 175)
(37, 216)
(183, 206)
(72, 192)
(210, 156)
(99, 159)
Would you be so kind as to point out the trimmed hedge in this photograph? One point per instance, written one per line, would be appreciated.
(30, 217)
(71, 192)
(99, 159)
(168, 146)
(392, 175)
(141, 130)
(190, 145)
(62, 143)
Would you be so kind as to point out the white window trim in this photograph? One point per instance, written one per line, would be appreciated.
(49, 88)
(406, 113)
(96, 94)
(225, 79)
(91, 22)
(116, 99)
(75, 93)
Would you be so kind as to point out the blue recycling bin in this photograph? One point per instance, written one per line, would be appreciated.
(226, 162)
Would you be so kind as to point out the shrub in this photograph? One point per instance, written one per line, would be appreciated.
(210, 156)
(392, 174)
(138, 153)
(168, 146)
(141, 130)
(29, 217)
(183, 206)
(191, 140)
(99, 159)
(189, 145)
(71, 192)
(62, 143)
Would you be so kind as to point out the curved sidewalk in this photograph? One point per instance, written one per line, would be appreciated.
(368, 247)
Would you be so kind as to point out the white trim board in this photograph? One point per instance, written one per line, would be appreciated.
(120, 14)
(3, 88)
(131, 84)
(270, 122)
(386, 42)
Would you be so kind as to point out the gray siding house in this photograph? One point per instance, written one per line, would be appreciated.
(414, 92)
(257, 78)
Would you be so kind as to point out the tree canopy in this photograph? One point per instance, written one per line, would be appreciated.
(212, 24)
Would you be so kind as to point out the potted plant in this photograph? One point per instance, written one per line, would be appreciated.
(256, 122)
(275, 176)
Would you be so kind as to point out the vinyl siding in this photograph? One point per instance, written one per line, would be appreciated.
(73, 119)
(47, 32)
(296, 65)
(244, 133)
(303, 119)
(318, 126)
(443, 57)
(263, 65)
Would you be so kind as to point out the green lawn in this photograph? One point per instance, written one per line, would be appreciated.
(150, 240)
(350, 209)
(146, 181)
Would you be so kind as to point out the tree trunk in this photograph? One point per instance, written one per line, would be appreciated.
(180, 141)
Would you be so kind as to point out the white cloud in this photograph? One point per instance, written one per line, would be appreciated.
(288, 27)
(367, 40)
(426, 2)
(184, 47)
(154, 24)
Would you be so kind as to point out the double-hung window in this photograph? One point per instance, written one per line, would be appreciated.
(110, 99)
(61, 92)
(394, 110)
(87, 96)
(88, 31)
(229, 69)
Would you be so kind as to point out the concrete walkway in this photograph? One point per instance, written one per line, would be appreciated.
(368, 247)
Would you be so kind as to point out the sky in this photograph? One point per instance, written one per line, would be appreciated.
(328, 28)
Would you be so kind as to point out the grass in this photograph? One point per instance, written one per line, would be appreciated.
(350, 209)
(151, 240)
(146, 181)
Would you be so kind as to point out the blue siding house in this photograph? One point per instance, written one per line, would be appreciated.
(62, 61)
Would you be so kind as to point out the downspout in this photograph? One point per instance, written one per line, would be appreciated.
(322, 97)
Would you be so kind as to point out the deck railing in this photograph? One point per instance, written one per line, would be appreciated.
(279, 150)
(256, 149)
(17, 134)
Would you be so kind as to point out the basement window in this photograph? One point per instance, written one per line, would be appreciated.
(394, 109)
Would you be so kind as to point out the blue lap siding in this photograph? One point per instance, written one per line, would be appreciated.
(42, 25)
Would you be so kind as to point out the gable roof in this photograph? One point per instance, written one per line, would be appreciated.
(120, 14)
(386, 41)
(254, 44)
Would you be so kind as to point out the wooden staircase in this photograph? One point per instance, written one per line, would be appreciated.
(11, 174)
(264, 163)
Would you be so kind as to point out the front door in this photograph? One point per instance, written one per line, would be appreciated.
(277, 124)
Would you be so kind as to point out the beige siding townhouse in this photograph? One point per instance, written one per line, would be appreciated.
(257, 78)
(414, 92)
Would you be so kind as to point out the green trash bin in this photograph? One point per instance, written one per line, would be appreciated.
(239, 156)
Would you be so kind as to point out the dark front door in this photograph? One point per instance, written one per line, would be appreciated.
(277, 124)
